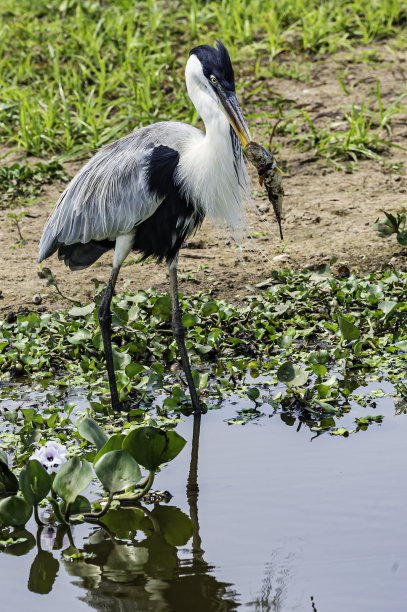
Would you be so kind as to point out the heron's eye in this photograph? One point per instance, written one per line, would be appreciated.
(214, 80)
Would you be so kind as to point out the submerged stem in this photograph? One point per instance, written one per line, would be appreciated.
(97, 515)
(37, 517)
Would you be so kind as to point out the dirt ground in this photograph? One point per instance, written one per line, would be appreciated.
(326, 212)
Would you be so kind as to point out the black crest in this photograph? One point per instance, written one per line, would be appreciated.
(216, 62)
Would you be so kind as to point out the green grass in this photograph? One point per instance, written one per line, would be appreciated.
(77, 74)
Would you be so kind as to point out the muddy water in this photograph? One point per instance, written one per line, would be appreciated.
(280, 523)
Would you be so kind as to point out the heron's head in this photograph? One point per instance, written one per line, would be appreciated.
(212, 70)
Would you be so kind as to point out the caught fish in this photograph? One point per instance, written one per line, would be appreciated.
(269, 175)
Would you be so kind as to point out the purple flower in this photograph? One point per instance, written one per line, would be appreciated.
(51, 456)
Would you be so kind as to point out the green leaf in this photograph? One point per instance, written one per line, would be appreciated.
(318, 357)
(327, 407)
(133, 369)
(8, 482)
(387, 306)
(319, 370)
(292, 375)
(79, 506)
(163, 308)
(253, 393)
(402, 238)
(82, 311)
(121, 360)
(115, 442)
(285, 341)
(72, 478)
(189, 320)
(35, 482)
(117, 470)
(90, 430)
(347, 329)
(15, 511)
(79, 337)
(402, 346)
(3, 457)
(147, 445)
(209, 308)
(175, 445)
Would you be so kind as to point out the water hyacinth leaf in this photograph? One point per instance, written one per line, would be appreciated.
(80, 336)
(147, 446)
(285, 342)
(292, 375)
(163, 308)
(35, 482)
(73, 477)
(319, 370)
(175, 445)
(402, 346)
(8, 482)
(132, 369)
(175, 525)
(348, 330)
(321, 272)
(200, 379)
(115, 442)
(318, 357)
(209, 308)
(90, 431)
(15, 511)
(387, 306)
(3, 457)
(402, 238)
(117, 470)
(341, 431)
(253, 393)
(121, 359)
(189, 320)
(82, 311)
(79, 506)
(324, 391)
(325, 406)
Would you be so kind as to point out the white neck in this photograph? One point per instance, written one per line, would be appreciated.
(210, 174)
(205, 101)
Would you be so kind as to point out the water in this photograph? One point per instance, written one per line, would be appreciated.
(281, 523)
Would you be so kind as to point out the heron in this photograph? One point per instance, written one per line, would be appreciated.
(151, 190)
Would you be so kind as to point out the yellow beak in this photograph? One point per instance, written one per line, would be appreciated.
(235, 117)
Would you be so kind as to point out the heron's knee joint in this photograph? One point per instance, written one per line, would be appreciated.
(178, 329)
(104, 316)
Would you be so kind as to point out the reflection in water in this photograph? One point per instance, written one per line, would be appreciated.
(148, 574)
(131, 560)
(274, 588)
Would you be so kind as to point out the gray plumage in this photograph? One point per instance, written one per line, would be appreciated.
(110, 195)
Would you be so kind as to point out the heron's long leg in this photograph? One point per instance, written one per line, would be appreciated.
(179, 333)
(105, 321)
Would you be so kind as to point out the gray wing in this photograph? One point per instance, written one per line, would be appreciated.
(110, 195)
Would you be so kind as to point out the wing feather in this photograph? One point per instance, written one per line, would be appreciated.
(110, 195)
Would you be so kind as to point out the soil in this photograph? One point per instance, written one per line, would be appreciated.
(326, 213)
